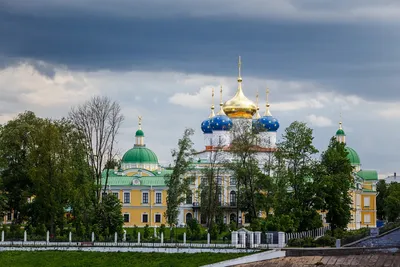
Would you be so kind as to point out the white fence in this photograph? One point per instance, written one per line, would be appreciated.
(311, 233)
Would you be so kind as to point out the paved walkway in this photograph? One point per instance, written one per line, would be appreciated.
(377, 260)
(391, 239)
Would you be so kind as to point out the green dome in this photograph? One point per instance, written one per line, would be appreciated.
(340, 132)
(140, 154)
(139, 133)
(353, 156)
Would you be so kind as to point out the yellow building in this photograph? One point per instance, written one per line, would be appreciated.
(139, 185)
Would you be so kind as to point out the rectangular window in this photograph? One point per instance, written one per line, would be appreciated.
(145, 218)
(158, 198)
(126, 218)
(233, 181)
(9, 217)
(145, 198)
(367, 218)
(158, 218)
(219, 180)
(366, 201)
(189, 198)
(127, 197)
(116, 194)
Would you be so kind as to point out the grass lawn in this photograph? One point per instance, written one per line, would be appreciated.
(72, 258)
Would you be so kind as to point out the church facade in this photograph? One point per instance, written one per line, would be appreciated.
(139, 182)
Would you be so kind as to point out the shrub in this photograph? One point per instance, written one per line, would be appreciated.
(162, 229)
(296, 242)
(146, 231)
(135, 231)
(325, 241)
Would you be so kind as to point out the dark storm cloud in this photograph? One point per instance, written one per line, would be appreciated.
(352, 58)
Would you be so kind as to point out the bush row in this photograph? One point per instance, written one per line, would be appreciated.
(323, 241)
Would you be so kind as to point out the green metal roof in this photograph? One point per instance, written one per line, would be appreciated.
(368, 175)
(140, 154)
(115, 179)
(340, 132)
(139, 133)
(352, 155)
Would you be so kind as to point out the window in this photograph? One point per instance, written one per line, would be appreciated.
(219, 198)
(104, 195)
(189, 217)
(116, 194)
(9, 217)
(366, 202)
(233, 181)
(145, 198)
(126, 218)
(158, 198)
(367, 218)
(232, 198)
(219, 180)
(189, 197)
(145, 218)
(127, 197)
(157, 218)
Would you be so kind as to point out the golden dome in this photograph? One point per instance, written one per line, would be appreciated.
(240, 106)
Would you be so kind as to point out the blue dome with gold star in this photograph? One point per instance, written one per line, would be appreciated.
(221, 123)
(269, 123)
(206, 126)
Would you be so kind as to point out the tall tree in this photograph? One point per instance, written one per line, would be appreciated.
(253, 185)
(392, 202)
(382, 192)
(99, 120)
(296, 164)
(177, 182)
(333, 184)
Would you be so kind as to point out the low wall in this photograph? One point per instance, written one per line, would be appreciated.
(268, 255)
(298, 252)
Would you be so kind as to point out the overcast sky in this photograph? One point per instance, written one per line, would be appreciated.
(160, 59)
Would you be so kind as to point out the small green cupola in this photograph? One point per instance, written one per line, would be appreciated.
(139, 136)
(340, 135)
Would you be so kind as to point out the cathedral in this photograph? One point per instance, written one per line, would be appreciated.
(139, 182)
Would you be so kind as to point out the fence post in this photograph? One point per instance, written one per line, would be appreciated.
(25, 236)
(155, 231)
(47, 237)
(184, 238)
(234, 238)
(2, 236)
(70, 237)
(162, 238)
(115, 237)
(208, 238)
(124, 237)
(138, 237)
(281, 239)
(92, 236)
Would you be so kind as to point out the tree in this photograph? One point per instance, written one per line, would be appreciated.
(382, 192)
(177, 182)
(295, 169)
(333, 185)
(253, 185)
(109, 215)
(99, 120)
(392, 202)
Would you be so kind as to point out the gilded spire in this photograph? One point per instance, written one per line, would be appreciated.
(240, 69)
(340, 122)
(258, 107)
(140, 122)
(221, 111)
(267, 112)
(212, 114)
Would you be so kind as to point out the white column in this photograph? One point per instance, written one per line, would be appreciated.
(251, 239)
(184, 238)
(281, 239)
(92, 236)
(70, 237)
(208, 238)
(48, 237)
(234, 238)
(115, 237)
(257, 238)
(243, 239)
(25, 237)
(138, 238)
(162, 238)
(2, 236)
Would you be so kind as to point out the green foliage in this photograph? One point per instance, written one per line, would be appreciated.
(295, 170)
(109, 215)
(99, 259)
(381, 195)
(333, 182)
(283, 223)
(177, 183)
(389, 226)
(302, 242)
(146, 232)
(135, 231)
(392, 202)
(351, 236)
(326, 241)
(194, 229)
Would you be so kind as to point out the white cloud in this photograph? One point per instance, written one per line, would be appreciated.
(319, 121)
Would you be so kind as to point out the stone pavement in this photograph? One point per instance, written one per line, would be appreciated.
(376, 260)
(391, 239)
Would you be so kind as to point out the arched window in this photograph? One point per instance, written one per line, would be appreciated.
(189, 216)
(232, 198)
